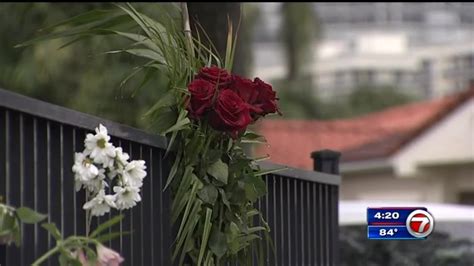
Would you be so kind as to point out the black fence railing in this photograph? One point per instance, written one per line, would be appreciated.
(37, 144)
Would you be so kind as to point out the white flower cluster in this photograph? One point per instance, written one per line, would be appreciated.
(100, 159)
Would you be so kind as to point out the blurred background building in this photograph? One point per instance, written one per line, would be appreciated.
(420, 148)
(425, 49)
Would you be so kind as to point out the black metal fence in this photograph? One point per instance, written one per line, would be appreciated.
(37, 143)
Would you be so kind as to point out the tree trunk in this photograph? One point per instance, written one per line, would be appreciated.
(213, 18)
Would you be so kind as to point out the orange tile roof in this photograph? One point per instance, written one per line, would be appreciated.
(375, 135)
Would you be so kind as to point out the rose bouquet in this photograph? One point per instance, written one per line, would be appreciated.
(204, 112)
(219, 183)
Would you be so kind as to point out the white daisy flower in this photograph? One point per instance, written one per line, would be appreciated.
(100, 204)
(83, 167)
(99, 148)
(121, 160)
(134, 173)
(126, 197)
(121, 157)
(93, 185)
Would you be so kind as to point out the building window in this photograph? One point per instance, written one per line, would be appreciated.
(466, 197)
(364, 77)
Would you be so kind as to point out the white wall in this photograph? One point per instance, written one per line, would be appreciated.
(438, 184)
(386, 186)
(450, 140)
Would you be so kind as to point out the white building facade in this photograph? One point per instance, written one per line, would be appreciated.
(436, 166)
(423, 49)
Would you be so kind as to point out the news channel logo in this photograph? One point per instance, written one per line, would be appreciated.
(399, 223)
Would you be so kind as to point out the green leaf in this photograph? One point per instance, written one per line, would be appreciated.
(189, 232)
(110, 236)
(228, 50)
(91, 255)
(208, 194)
(29, 216)
(106, 225)
(238, 193)
(219, 170)
(180, 123)
(205, 234)
(174, 169)
(232, 233)
(263, 158)
(9, 227)
(250, 193)
(52, 229)
(83, 18)
(266, 172)
(16, 235)
(139, 39)
(256, 229)
(213, 156)
(224, 198)
(183, 194)
(149, 75)
(255, 187)
(252, 213)
(7, 219)
(66, 259)
(167, 99)
(244, 241)
(83, 29)
(163, 119)
(133, 73)
(5, 232)
(138, 19)
(252, 137)
(188, 226)
(218, 243)
(141, 52)
(191, 201)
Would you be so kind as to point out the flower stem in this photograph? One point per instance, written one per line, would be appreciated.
(45, 256)
(88, 214)
(187, 28)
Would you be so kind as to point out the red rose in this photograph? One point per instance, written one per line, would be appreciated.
(259, 95)
(266, 99)
(215, 75)
(202, 93)
(231, 113)
(247, 90)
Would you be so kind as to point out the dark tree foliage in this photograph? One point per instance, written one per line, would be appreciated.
(299, 29)
(78, 76)
(438, 250)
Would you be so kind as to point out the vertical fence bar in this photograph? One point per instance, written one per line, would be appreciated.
(327, 161)
(55, 182)
(3, 184)
(28, 185)
(136, 213)
(146, 210)
(13, 175)
(79, 136)
(67, 176)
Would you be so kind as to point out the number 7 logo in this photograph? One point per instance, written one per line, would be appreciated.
(420, 223)
(424, 221)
